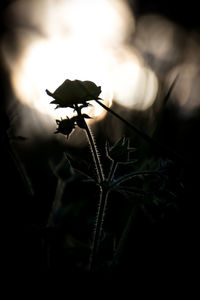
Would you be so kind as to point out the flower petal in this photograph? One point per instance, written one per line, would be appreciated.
(72, 92)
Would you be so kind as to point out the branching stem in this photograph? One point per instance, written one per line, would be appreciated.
(102, 202)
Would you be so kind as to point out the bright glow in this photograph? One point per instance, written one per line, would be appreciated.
(187, 89)
(135, 86)
(44, 66)
(83, 40)
(160, 40)
(98, 21)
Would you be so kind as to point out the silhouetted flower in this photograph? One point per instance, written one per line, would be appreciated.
(72, 92)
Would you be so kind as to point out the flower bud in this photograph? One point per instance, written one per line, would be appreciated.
(65, 126)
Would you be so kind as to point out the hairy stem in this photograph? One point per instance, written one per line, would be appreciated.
(102, 202)
(94, 151)
(98, 228)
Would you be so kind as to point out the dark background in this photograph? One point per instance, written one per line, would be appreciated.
(23, 215)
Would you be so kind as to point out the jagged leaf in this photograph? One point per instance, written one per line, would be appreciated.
(120, 151)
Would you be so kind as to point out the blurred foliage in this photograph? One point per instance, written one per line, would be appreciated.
(156, 198)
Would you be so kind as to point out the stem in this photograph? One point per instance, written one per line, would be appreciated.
(162, 149)
(131, 189)
(112, 170)
(102, 202)
(133, 174)
(143, 135)
(94, 151)
(98, 227)
(57, 201)
(103, 190)
(20, 167)
(124, 237)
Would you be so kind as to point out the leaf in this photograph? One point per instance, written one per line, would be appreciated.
(120, 151)
(79, 166)
(64, 169)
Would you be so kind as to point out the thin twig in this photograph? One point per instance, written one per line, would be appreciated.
(163, 150)
(57, 201)
(124, 237)
(112, 170)
(133, 174)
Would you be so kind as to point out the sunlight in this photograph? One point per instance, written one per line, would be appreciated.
(135, 85)
(85, 40)
(39, 70)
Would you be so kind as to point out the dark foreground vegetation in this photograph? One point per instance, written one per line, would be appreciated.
(144, 231)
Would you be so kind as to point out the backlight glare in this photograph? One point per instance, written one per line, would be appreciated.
(85, 40)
